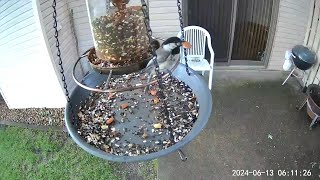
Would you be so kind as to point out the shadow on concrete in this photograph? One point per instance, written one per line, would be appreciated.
(255, 126)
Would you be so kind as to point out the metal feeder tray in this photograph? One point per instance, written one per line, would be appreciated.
(194, 81)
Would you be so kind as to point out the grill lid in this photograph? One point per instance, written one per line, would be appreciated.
(304, 54)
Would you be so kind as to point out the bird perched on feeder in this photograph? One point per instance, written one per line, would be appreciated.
(167, 48)
(171, 46)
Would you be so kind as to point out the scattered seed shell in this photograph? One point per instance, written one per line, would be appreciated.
(153, 92)
(157, 126)
(156, 100)
(144, 77)
(124, 105)
(110, 120)
(104, 127)
(111, 95)
(144, 135)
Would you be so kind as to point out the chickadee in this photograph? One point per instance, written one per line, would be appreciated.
(171, 46)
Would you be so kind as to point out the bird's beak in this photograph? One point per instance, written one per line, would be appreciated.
(186, 44)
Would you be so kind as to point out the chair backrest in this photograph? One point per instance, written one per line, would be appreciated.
(198, 37)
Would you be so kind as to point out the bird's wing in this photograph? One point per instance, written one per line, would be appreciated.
(162, 56)
(164, 66)
(168, 65)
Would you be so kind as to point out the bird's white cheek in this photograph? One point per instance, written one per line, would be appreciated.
(169, 47)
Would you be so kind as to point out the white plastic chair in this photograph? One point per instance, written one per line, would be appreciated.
(198, 37)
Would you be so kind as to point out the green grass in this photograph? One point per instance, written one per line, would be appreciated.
(30, 154)
(149, 170)
(155, 164)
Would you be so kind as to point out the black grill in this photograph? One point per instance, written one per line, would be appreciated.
(303, 57)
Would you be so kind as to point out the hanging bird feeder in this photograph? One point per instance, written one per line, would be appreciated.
(130, 108)
(120, 36)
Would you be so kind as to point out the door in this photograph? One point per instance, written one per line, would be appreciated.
(215, 17)
(239, 28)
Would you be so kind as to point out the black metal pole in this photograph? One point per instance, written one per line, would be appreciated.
(304, 90)
(314, 78)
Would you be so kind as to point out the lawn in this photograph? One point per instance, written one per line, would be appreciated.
(31, 154)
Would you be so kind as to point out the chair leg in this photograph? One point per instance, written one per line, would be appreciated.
(210, 78)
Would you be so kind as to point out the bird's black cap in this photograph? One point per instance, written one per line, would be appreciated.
(172, 40)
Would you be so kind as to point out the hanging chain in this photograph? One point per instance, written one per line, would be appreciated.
(149, 34)
(63, 78)
(155, 62)
(154, 58)
(182, 36)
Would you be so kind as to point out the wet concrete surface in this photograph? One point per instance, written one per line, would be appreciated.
(254, 126)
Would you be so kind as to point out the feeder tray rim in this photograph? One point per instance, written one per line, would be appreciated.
(85, 54)
(201, 91)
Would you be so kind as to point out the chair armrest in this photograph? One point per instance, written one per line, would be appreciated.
(211, 51)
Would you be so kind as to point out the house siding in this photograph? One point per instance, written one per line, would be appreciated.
(290, 30)
(69, 52)
(82, 28)
(164, 18)
(81, 24)
(27, 78)
(312, 41)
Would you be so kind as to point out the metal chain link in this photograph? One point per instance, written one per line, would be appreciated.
(182, 35)
(63, 78)
(154, 58)
(149, 34)
(155, 62)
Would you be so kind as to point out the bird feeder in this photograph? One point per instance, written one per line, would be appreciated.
(120, 36)
(116, 112)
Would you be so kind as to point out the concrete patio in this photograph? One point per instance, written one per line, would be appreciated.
(254, 126)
